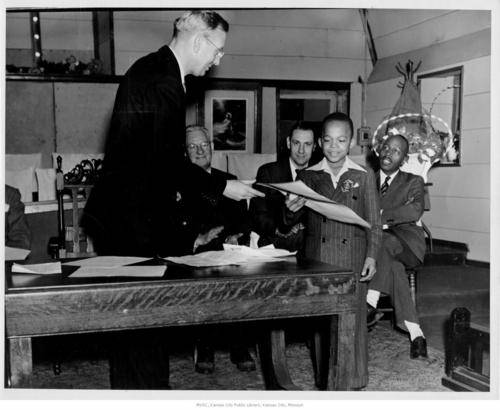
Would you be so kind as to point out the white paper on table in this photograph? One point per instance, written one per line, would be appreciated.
(232, 255)
(320, 203)
(15, 254)
(107, 261)
(254, 240)
(38, 268)
(121, 271)
(209, 258)
(265, 252)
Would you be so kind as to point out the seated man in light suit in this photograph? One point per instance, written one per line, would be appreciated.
(267, 213)
(225, 221)
(402, 205)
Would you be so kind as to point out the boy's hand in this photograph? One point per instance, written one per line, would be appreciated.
(369, 270)
(295, 204)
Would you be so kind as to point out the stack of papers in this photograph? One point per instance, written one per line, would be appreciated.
(114, 266)
(107, 261)
(232, 255)
(121, 271)
(15, 254)
(38, 269)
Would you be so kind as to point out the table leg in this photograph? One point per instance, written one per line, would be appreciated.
(320, 351)
(341, 360)
(20, 361)
(273, 361)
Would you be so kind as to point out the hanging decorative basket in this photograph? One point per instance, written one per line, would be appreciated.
(429, 137)
(430, 146)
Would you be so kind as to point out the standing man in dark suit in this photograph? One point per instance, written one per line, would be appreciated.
(133, 208)
(403, 243)
(230, 220)
(267, 213)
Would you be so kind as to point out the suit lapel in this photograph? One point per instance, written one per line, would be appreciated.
(395, 184)
(325, 185)
(285, 171)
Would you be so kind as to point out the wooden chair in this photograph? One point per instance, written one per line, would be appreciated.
(72, 241)
(468, 342)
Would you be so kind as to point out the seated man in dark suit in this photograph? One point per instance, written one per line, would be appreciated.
(225, 221)
(402, 206)
(267, 213)
(17, 231)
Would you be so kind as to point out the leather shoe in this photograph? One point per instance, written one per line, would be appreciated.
(418, 347)
(373, 316)
(241, 358)
(204, 359)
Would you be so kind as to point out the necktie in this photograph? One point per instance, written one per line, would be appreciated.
(385, 185)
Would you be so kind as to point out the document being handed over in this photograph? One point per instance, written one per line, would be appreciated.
(319, 203)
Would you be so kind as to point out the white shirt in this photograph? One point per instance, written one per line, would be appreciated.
(348, 164)
(293, 169)
(383, 176)
(180, 68)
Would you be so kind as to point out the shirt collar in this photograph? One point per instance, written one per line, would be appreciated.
(293, 168)
(348, 164)
(383, 175)
(183, 75)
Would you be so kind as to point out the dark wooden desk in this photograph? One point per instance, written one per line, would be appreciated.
(58, 304)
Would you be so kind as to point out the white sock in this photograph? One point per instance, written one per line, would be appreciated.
(414, 329)
(372, 297)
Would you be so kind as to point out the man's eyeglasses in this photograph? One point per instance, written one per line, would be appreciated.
(220, 51)
(194, 147)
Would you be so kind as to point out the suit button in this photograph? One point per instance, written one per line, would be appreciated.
(184, 223)
(324, 219)
(323, 240)
(344, 241)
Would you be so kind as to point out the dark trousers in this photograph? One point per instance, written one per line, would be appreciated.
(391, 278)
(139, 360)
(236, 336)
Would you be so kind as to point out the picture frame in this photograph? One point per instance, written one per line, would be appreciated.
(230, 117)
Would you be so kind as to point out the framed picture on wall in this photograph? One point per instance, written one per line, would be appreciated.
(231, 117)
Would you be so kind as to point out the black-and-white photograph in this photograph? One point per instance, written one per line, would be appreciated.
(229, 124)
(247, 198)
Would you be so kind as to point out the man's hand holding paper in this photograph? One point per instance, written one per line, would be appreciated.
(316, 202)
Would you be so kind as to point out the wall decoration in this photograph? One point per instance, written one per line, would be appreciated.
(231, 117)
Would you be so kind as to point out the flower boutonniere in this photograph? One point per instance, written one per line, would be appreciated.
(349, 185)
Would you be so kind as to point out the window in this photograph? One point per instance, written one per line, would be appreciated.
(307, 105)
(441, 95)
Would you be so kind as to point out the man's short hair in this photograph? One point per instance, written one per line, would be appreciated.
(191, 128)
(402, 137)
(337, 116)
(302, 125)
(199, 20)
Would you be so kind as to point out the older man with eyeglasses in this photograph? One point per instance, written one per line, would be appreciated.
(132, 209)
(224, 221)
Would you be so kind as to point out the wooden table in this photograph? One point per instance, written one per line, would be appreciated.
(265, 292)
